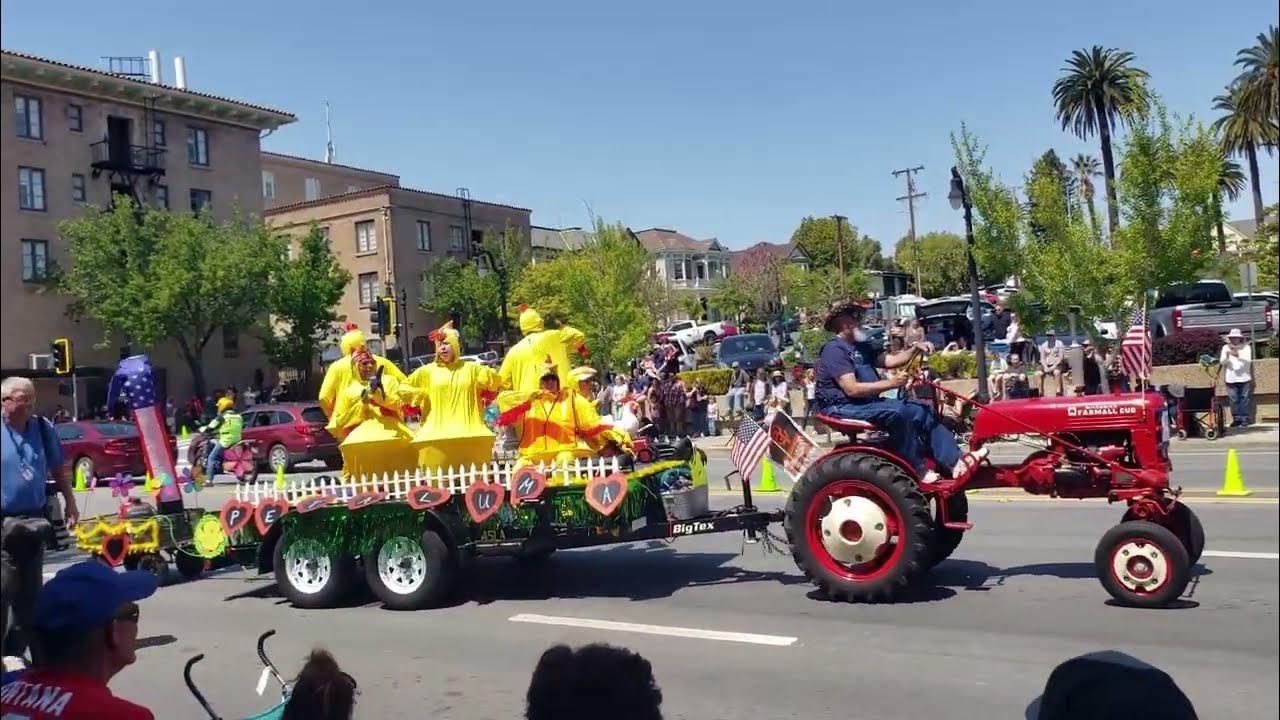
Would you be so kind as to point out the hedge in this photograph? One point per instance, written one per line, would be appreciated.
(954, 365)
(1185, 348)
(715, 380)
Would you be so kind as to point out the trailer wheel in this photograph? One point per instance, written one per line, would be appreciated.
(154, 564)
(859, 528)
(1142, 564)
(408, 573)
(310, 576)
(189, 566)
(946, 540)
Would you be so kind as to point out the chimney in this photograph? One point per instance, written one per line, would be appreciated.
(179, 73)
(153, 60)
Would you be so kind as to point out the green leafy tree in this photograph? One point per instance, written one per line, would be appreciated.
(152, 276)
(815, 290)
(818, 237)
(1260, 77)
(944, 262)
(1099, 90)
(1050, 196)
(301, 300)
(1085, 168)
(1231, 182)
(998, 223)
(1168, 190)
(1263, 249)
(736, 297)
(1244, 133)
(454, 289)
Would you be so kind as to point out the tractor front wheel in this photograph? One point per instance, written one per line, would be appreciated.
(1142, 564)
(859, 528)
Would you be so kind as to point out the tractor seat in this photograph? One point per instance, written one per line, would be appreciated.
(847, 426)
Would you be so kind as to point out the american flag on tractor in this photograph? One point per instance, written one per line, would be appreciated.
(750, 440)
(1135, 349)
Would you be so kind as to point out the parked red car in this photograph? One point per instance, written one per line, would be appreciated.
(100, 448)
(291, 433)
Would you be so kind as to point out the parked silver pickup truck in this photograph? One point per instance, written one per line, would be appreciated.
(1205, 304)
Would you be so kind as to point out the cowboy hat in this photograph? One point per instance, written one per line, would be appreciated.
(842, 308)
(1235, 334)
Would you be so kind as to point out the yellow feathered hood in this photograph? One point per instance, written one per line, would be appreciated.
(530, 321)
(446, 334)
(351, 341)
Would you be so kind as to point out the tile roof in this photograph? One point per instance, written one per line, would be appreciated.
(285, 117)
(659, 239)
(325, 164)
(781, 251)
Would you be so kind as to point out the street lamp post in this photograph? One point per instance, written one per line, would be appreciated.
(959, 198)
(499, 270)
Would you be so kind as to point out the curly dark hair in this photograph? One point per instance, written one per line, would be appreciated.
(322, 691)
(594, 681)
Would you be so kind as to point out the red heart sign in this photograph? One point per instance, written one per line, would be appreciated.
(365, 499)
(527, 485)
(235, 515)
(423, 497)
(114, 548)
(483, 499)
(606, 493)
(312, 502)
(267, 512)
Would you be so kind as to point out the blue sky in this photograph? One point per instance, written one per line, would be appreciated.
(726, 119)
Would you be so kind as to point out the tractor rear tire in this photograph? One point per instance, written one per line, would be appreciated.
(1142, 564)
(873, 491)
(946, 540)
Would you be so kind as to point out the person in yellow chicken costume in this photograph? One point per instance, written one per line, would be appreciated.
(521, 369)
(367, 416)
(453, 432)
(339, 371)
(556, 424)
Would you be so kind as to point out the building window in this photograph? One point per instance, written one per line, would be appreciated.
(230, 342)
(366, 237)
(197, 146)
(31, 188)
(77, 187)
(35, 260)
(677, 270)
(268, 185)
(455, 237)
(312, 188)
(368, 286)
(28, 112)
(200, 200)
(162, 196)
(75, 117)
(324, 234)
(157, 133)
(424, 235)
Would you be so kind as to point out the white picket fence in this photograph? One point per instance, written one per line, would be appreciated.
(397, 485)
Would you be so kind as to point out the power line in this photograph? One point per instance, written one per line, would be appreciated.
(910, 197)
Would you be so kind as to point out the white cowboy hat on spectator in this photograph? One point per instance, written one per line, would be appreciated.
(1235, 334)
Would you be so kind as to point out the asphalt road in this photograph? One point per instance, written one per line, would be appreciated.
(978, 641)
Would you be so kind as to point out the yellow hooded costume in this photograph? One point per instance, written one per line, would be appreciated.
(338, 374)
(453, 432)
(522, 367)
(375, 439)
(556, 426)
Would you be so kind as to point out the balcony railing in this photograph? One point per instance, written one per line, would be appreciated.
(695, 283)
(117, 157)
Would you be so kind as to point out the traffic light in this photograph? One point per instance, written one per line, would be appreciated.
(378, 317)
(389, 316)
(62, 363)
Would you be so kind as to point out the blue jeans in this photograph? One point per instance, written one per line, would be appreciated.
(907, 424)
(1241, 396)
(213, 462)
(736, 400)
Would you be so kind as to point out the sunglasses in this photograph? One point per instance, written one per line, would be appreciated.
(130, 615)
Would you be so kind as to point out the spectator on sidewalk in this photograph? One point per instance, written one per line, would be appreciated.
(698, 399)
(1052, 360)
(1237, 364)
(87, 628)
(739, 381)
(322, 691)
(810, 394)
(780, 393)
(1091, 382)
(619, 393)
(594, 681)
(759, 393)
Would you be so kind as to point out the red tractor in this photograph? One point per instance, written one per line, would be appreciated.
(862, 527)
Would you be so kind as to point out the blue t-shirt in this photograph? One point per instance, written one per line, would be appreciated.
(840, 357)
(25, 461)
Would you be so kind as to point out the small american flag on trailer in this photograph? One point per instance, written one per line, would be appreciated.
(1135, 349)
(749, 443)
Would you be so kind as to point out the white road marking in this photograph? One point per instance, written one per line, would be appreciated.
(752, 638)
(1240, 554)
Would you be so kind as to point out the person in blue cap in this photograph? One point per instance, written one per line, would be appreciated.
(86, 624)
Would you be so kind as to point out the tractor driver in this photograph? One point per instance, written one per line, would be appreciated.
(848, 386)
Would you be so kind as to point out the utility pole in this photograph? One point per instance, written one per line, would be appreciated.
(840, 248)
(910, 197)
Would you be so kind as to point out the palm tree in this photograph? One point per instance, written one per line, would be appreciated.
(1242, 134)
(1086, 168)
(1100, 89)
(1260, 74)
(1231, 185)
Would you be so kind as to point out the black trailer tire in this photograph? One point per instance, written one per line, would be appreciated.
(154, 564)
(898, 511)
(946, 540)
(189, 566)
(316, 578)
(1142, 564)
(411, 573)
